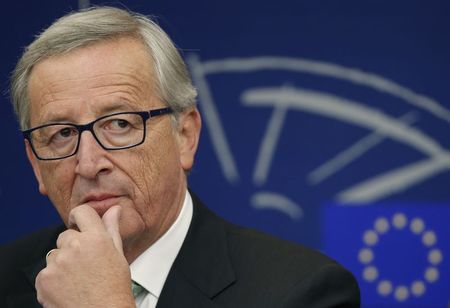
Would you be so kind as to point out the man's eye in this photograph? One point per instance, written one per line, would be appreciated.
(66, 132)
(121, 123)
(118, 124)
(62, 135)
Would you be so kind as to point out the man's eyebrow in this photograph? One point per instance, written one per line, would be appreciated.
(58, 117)
(54, 117)
(117, 107)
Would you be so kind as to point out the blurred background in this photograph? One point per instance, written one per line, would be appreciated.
(326, 123)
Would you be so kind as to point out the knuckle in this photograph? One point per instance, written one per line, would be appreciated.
(60, 239)
(39, 298)
(83, 208)
(38, 281)
(75, 211)
(66, 237)
(63, 260)
(78, 210)
(75, 244)
(43, 283)
(42, 278)
(59, 259)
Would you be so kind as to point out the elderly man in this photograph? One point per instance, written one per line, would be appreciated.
(111, 128)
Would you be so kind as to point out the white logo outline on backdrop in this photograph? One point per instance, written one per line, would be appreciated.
(284, 98)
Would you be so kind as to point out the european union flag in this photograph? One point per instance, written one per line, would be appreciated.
(400, 253)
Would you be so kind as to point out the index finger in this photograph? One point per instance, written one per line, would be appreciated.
(85, 218)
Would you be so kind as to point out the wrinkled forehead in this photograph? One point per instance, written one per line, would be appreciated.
(110, 70)
(106, 56)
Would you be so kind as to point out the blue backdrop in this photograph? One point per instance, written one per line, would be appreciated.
(325, 123)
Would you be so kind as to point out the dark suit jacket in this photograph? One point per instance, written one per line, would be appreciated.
(219, 265)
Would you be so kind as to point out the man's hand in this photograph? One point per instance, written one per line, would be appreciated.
(88, 268)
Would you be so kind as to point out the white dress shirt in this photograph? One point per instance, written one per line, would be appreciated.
(151, 268)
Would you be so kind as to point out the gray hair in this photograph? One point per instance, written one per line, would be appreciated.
(79, 29)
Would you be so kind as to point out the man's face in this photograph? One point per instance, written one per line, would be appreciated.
(147, 181)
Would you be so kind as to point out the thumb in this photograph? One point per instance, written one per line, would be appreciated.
(111, 220)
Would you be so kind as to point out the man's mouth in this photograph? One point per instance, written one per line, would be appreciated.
(101, 203)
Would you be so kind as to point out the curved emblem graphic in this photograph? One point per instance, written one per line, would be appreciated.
(286, 98)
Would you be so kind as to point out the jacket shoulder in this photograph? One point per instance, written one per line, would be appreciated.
(29, 246)
(23, 253)
(250, 248)
(291, 274)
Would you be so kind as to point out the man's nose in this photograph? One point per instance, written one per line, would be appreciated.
(92, 159)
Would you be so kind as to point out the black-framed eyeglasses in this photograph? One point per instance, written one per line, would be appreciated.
(116, 131)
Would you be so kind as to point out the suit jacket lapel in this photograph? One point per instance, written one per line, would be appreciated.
(202, 268)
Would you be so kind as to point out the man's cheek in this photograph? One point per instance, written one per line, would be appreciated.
(59, 194)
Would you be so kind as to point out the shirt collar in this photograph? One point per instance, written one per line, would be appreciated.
(151, 268)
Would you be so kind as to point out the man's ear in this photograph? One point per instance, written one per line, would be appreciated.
(189, 125)
(34, 163)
